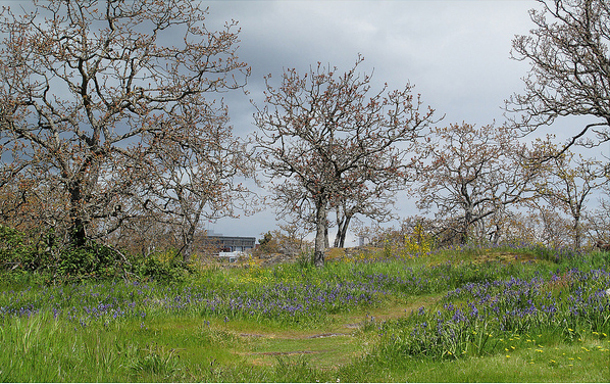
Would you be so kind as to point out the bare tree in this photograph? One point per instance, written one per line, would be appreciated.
(570, 68)
(84, 82)
(323, 138)
(375, 201)
(191, 170)
(553, 225)
(570, 181)
(473, 171)
(598, 226)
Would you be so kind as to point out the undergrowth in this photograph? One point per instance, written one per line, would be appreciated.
(505, 305)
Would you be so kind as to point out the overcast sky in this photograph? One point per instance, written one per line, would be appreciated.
(456, 53)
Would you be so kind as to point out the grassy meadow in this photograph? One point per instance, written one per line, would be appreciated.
(502, 314)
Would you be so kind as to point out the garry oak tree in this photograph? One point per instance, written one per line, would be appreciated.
(569, 182)
(190, 170)
(570, 68)
(471, 173)
(324, 137)
(84, 84)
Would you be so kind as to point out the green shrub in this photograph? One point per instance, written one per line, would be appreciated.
(42, 254)
(11, 242)
(93, 259)
(16, 251)
(165, 267)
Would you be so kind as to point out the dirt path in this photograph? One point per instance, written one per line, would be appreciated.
(334, 345)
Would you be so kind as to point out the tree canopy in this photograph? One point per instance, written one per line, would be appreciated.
(326, 138)
(85, 85)
(570, 68)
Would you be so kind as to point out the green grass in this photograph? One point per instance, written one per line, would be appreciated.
(168, 332)
(585, 362)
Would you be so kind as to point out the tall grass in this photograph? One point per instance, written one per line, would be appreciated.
(42, 349)
(141, 330)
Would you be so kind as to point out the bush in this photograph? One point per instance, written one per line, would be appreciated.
(42, 254)
(165, 267)
(93, 259)
(16, 251)
(11, 242)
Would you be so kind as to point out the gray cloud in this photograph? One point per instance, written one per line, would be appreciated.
(455, 52)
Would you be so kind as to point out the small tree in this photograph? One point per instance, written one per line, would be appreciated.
(473, 171)
(322, 138)
(570, 181)
(598, 226)
(517, 227)
(190, 170)
(553, 225)
(289, 240)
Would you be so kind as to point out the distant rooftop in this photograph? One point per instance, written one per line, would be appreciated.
(231, 243)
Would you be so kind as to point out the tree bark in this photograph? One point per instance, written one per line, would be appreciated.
(466, 225)
(342, 226)
(189, 227)
(321, 238)
(78, 230)
(576, 229)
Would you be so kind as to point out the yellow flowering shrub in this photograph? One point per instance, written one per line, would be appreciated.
(418, 242)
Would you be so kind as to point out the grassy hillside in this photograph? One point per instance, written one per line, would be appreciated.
(478, 315)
